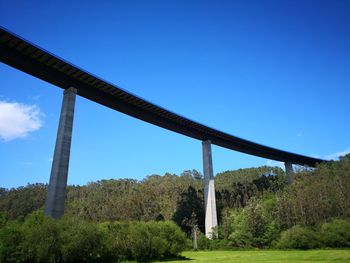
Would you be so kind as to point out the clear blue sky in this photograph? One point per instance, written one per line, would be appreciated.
(274, 72)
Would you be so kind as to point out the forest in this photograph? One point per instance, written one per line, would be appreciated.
(114, 219)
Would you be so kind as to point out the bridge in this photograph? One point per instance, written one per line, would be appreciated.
(31, 59)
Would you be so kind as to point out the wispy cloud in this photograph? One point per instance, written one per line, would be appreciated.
(17, 120)
(299, 134)
(36, 97)
(335, 156)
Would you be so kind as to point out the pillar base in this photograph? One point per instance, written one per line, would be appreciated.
(211, 221)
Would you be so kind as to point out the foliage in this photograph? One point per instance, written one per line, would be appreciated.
(21, 201)
(236, 188)
(299, 237)
(316, 196)
(155, 240)
(3, 219)
(254, 225)
(116, 241)
(254, 206)
(155, 197)
(42, 239)
(336, 233)
(205, 243)
(12, 243)
(246, 175)
(80, 241)
(190, 211)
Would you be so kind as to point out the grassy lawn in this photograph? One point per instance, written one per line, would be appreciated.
(267, 256)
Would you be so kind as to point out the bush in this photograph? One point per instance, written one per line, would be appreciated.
(42, 239)
(80, 241)
(299, 237)
(202, 241)
(155, 240)
(3, 219)
(254, 226)
(174, 237)
(116, 245)
(12, 247)
(145, 243)
(241, 235)
(219, 244)
(336, 233)
(41, 235)
(205, 243)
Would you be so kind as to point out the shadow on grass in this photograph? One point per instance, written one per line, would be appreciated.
(179, 258)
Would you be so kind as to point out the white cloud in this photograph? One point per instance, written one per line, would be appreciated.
(335, 156)
(17, 120)
(274, 163)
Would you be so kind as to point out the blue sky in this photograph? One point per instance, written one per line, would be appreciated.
(274, 72)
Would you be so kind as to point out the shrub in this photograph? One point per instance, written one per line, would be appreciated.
(81, 241)
(41, 235)
(145, 243)
(254, 225)
(174, 237)
(211, 244)
(219, 244)
(12, 247)
(202, 241)
(155, 240)
(299, 237)
(336, 233)
(42, 239)
(3, 219)
(116, 245)
(241, 235)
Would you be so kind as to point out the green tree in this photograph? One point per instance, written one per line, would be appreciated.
(41, 235)
(190, 211)
(81, 241)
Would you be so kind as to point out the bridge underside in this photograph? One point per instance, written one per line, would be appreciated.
(27, 57)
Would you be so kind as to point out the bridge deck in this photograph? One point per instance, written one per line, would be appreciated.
(29, 58)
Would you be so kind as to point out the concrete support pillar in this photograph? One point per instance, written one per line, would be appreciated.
(211, 220)
(289, 172)
(54, 206)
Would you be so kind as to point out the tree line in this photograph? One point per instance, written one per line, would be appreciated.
(312, 212)
(256, 207)
(168, 197)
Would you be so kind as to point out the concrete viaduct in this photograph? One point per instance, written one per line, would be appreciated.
(31, 59)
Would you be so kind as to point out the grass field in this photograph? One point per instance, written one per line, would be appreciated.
(267, 256)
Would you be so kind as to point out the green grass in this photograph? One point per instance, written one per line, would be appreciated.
(266, 256)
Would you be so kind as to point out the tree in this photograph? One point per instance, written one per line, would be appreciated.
(190, 211)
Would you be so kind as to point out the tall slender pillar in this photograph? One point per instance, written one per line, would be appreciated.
(54, 206)
(211, 220)
(289, 172)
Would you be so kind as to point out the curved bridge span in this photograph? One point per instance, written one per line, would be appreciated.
(37, 62)
(31, 59)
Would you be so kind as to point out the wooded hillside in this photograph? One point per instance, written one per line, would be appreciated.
(254, 205)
